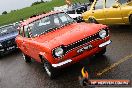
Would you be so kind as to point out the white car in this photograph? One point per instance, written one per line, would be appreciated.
(75, 11)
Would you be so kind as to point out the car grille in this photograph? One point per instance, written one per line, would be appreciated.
(8, 43)
(78, 43)
(83, 41)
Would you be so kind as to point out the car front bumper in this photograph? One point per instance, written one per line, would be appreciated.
(6, 50)
(85, 54)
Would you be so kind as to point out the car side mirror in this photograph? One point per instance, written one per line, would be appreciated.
(115, 6)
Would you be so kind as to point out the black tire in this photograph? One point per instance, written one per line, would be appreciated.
(92, 20)
(51, 72)
(102, 52)
(130, 19)
(26, 58)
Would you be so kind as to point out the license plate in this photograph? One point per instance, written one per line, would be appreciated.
(10, 48)
(84, 48)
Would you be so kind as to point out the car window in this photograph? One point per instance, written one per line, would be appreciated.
(122, 1)
(7, 30)
(44, 22)
(37, 27)
(56, 21)
(64, 18)
(49, 23)
(26, 31)
(21, 31)
(99, 4)
(110, 3)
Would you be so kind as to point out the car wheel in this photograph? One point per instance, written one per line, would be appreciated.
(101, 52)
(26, 58)
(51, 72)
(92, 20)
(130, 19)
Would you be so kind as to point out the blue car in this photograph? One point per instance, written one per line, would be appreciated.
(8, 34)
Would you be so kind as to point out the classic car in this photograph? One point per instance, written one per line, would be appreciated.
(8, 34)
(56, 40)
(110, 12)
(75, 11)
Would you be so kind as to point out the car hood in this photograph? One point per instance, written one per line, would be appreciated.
(68, 34)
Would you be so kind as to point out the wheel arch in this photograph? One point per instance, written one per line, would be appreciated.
(43, 57)
(93, 18)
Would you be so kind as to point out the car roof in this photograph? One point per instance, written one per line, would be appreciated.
(4, 26)
(34, 18)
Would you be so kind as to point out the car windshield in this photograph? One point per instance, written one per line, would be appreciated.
(49, 23)
(7, 30)
(123, 1)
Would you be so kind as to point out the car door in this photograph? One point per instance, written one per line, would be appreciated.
(98, 12)
(126, 9)
(30, 47)
(113, 13)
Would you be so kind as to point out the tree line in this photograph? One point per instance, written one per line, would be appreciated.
(34, 3)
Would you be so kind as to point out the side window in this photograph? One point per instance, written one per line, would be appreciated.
(124, 1)
(26, 31)
(110, 3)
(99, 4)
(21, 31)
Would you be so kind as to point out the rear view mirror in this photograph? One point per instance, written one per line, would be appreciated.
(115, 6)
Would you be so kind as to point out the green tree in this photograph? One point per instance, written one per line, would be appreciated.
(4, 12)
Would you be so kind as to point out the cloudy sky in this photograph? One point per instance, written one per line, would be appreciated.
(8, 5)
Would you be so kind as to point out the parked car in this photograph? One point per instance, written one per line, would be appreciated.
(8, 34)
(111, 12)
(75, 11)
(56, 40)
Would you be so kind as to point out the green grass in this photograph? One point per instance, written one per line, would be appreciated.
(29, 11)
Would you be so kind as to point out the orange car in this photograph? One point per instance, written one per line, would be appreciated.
(56, 40)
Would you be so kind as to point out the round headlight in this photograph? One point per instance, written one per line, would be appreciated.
(59, 52)
(102, 33)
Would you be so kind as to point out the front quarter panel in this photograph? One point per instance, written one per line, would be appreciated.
(19, 41)
(87, 14)
(126, 12)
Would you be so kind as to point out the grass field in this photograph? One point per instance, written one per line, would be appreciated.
(29, 11)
